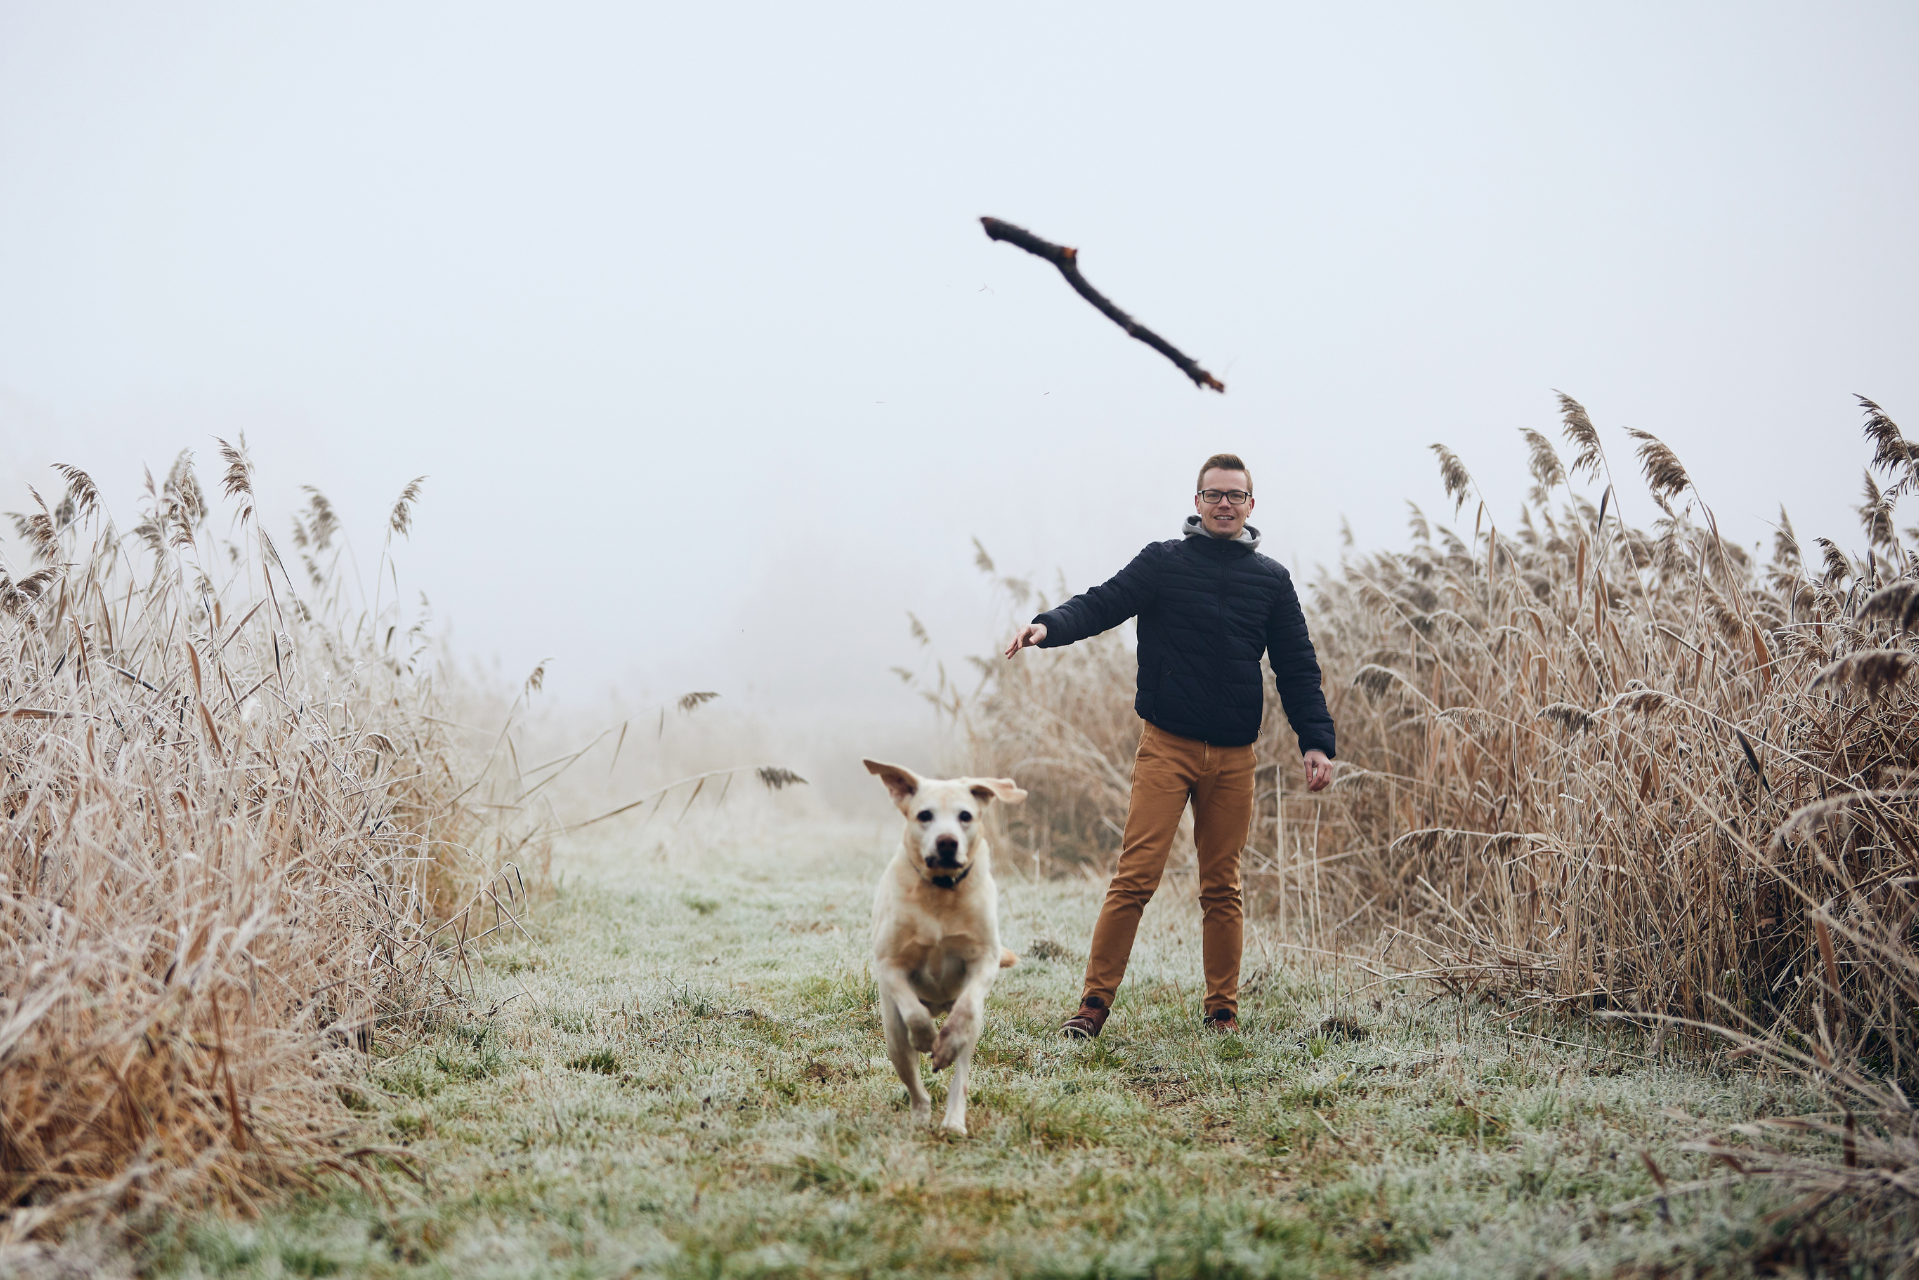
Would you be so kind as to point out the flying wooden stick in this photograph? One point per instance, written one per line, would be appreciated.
(1067, 260)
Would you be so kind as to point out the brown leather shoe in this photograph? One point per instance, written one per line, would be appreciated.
(1221, 1022)
(1086, 1024)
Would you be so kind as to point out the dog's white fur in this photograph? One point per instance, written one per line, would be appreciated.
(936, 948)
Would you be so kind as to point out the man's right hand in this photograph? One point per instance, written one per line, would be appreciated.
(1027, 636)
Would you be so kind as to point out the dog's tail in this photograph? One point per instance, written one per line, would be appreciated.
(1007, 959)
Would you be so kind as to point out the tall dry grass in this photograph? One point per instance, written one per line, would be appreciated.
(1631, 768)
(1060, 725)
(1591, 765)
(238, 845)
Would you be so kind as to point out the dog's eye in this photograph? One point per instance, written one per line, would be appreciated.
(966, 815)
(926, 815)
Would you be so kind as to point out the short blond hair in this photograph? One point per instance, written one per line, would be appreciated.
(1224, 462)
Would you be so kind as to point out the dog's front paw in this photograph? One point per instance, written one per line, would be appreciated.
(920, 1032)
(961, 1029)
(922, 1112)
(945, 1049)
(953, 1128)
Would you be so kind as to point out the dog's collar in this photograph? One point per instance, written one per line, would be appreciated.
(951, 882)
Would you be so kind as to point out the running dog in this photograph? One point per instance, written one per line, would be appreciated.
(936, 947)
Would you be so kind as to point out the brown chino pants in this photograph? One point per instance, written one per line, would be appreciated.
(1167, 772)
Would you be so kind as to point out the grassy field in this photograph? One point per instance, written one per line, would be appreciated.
(680, 1072)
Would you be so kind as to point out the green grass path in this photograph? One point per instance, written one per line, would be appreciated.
(685, 1076)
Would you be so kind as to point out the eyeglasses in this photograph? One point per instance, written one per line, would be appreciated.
(1213, 497)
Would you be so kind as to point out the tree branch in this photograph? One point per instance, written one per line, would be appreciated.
(1067, 260)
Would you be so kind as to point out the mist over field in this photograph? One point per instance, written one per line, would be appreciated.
(479, 479)
(687, 317)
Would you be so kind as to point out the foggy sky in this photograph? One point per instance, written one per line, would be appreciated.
(686, 313)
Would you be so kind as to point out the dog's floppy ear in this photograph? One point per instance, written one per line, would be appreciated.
(901, 784)
(985, 789)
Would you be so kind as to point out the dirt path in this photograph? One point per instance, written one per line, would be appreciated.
(684, 1075)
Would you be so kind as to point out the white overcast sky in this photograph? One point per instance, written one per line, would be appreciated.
(686, 313)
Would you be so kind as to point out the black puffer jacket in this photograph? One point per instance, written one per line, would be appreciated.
(1207, 609)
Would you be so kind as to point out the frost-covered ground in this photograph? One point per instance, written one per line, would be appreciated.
(683, 1074)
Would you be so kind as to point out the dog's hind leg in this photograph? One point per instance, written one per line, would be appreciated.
(906, 1061)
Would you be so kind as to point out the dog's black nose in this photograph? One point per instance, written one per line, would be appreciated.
(948, 849)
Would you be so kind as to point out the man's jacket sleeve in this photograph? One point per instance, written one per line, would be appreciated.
(1104, 607)
(1296, 671)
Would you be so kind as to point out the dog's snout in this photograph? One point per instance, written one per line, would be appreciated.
(947, 847)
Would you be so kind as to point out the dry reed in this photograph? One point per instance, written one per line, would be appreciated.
(1591, 766)
(238, 845)
(1060, 725)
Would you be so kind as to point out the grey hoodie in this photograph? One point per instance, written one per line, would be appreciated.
(1192, 528)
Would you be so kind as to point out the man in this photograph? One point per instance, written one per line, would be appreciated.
(1208, 605)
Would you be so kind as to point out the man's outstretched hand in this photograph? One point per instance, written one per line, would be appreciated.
(1026, 637)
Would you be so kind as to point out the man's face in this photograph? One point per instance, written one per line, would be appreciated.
(1222, 519)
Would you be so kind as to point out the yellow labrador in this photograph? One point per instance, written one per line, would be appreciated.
(936, 945)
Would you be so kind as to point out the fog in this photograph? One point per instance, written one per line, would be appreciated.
(686, 314)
